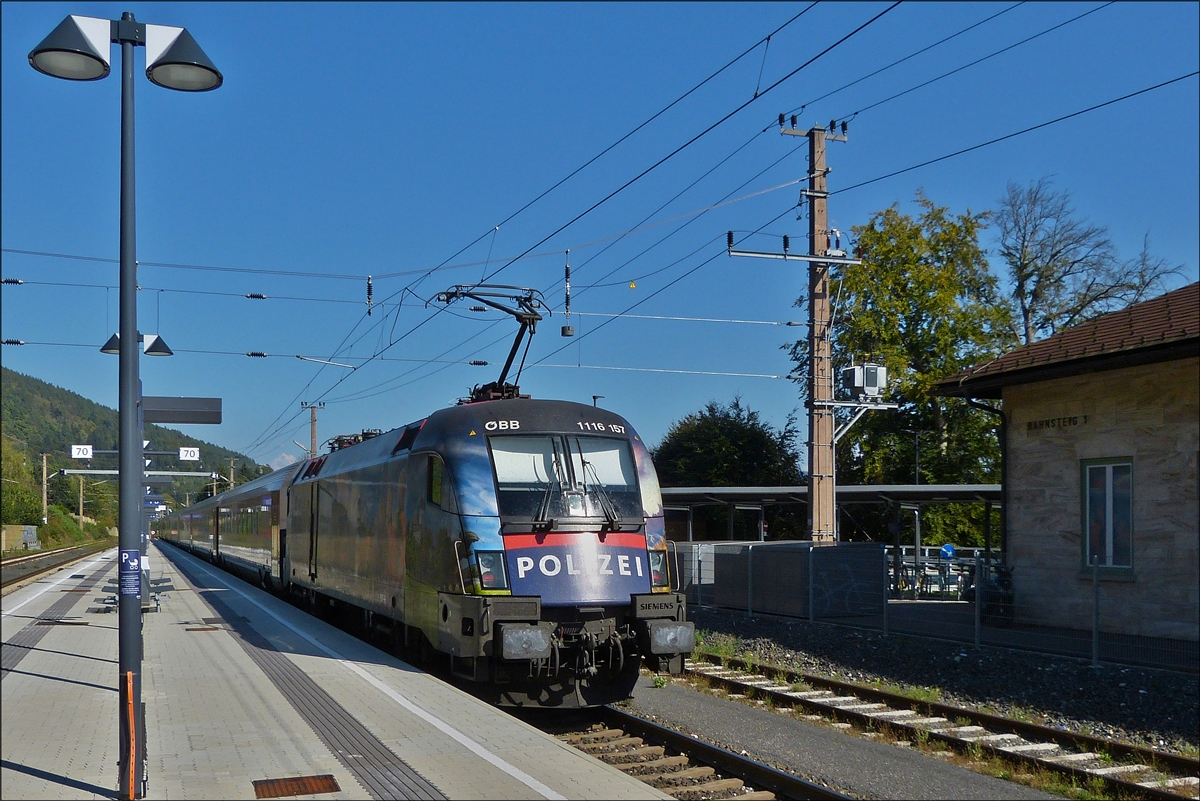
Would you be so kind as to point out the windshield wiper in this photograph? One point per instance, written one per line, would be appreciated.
(542, 516)
(606, 504)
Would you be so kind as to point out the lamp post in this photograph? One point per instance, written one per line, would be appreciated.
(79, 50)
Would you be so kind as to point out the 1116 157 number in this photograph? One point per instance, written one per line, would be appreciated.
(606, 427)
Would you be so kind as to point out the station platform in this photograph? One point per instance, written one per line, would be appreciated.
(248, 697)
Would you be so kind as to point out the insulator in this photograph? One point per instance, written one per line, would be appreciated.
(844, 127)
(256, 296)
(478, 308)
(781, 119)
(257, 354)
(729, 240)
(14, 281)
(832, 126)
(786, 242)
(14, 342)
(370, 293)
(477, 363)
(793, 120)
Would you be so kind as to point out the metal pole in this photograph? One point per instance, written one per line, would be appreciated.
(750, 581)
(130, 480)
(812, 580)
(886, 584)
(918, 569)
(1095, 610)
(978, 596)
(45, 505)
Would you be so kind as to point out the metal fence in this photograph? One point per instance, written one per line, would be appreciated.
(855, 584)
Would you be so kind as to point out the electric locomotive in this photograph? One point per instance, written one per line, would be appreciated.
(522, 538)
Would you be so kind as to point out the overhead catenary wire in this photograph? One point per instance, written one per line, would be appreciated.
(668, 156)
(900, 61)
(979, 60)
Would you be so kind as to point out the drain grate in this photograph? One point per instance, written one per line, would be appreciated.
(75, 590)
(62, 623)
(78, 575)
(301, 785)
(202, 628)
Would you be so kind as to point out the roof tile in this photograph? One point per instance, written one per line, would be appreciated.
(1167, 318)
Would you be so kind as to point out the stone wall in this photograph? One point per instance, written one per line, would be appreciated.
(1150, 414)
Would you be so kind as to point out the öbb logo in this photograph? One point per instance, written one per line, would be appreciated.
(502, 425)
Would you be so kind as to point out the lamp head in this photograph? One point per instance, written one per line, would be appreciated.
(175, 61)
(77, 50)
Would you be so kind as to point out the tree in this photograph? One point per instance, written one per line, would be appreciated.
(1064, 270)
(20, 497)
(924, 305)
(729, 445)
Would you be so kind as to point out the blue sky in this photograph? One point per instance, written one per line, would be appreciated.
(389, 139)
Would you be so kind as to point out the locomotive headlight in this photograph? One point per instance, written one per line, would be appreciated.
(525, 641)
(658, 569)
(670, 637)
(492, 575)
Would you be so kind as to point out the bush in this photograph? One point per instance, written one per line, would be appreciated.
(64, 530)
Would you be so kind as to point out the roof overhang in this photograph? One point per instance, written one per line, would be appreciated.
(990, 386)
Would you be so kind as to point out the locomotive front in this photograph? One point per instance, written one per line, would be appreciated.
(565, 562)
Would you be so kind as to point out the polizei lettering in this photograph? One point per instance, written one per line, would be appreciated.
(601, 565)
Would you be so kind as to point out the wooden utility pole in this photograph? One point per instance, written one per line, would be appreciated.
(821, 498)
(231, 461)
(821, 434)
(312, 411)
(81, 500)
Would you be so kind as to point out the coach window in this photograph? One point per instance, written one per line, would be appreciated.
(1107, 490)
(440, 493)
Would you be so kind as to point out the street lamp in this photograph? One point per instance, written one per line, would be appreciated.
(78, 50)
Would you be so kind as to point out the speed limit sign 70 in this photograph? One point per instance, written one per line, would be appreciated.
(81, 451)
(189, 454)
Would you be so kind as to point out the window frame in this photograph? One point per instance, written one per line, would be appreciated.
(1107, 570)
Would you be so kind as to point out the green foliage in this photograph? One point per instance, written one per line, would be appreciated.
(63, 530)
(38, 418)
(20, 496)
(924, 305)
(729, 445)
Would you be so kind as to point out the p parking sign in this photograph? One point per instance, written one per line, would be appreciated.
(129, 577)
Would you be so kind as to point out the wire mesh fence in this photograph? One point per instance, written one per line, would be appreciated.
(857, 584)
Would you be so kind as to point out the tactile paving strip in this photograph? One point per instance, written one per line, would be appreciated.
(27, 638)
(384, 774)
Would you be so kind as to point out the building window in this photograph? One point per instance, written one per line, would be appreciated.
(1108, 513)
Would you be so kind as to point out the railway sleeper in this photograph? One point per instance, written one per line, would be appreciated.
(652, 765)
(720, 785)
(598, 734)
(678, 776)
(609, 745)
(632, 754)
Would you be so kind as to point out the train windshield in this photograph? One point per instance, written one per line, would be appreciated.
(548, 476)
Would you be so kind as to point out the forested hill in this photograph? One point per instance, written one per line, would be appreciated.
(41, 418)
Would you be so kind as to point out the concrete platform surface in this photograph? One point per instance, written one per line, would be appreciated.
(241, 687)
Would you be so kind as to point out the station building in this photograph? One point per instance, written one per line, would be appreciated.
(1101, 439)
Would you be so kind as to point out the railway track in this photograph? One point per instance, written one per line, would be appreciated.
(680, 766)
(17, 570)
(1128, 771)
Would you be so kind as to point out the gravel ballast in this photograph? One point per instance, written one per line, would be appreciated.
(1154, 708)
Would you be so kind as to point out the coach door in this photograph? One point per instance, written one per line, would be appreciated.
(313, 516)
